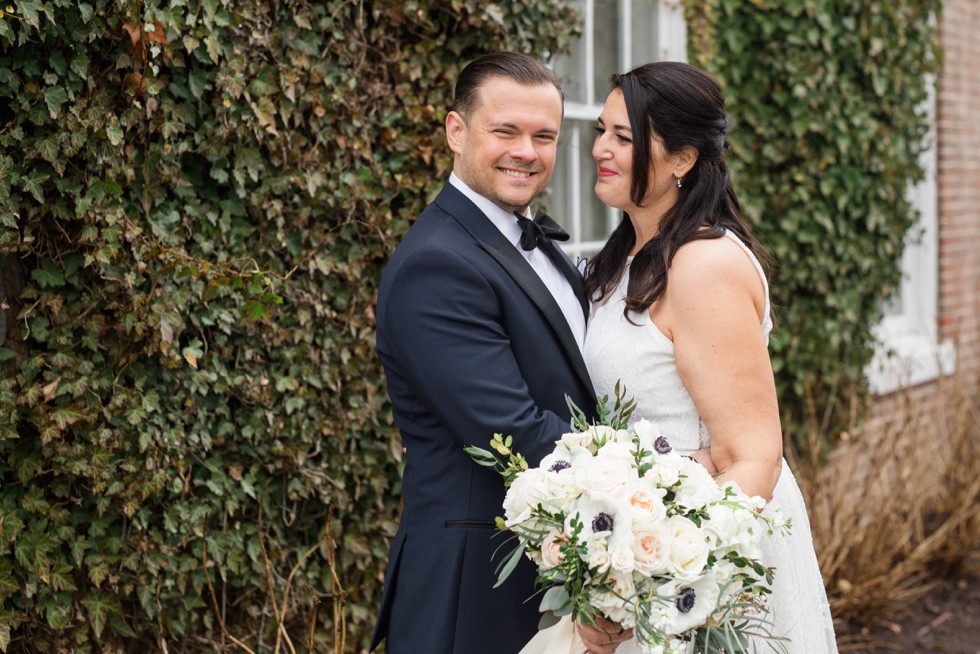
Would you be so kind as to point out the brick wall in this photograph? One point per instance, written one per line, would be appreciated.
(958, 114)
(958, 181)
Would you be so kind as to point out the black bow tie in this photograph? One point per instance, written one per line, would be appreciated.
(539, 231)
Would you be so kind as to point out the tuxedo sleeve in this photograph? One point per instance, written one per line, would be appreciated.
(447, 341)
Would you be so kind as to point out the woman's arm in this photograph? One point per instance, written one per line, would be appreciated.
(712, 311)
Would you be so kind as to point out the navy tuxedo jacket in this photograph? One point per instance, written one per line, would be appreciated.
(472, 343)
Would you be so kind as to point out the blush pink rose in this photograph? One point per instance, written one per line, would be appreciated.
(551, 554)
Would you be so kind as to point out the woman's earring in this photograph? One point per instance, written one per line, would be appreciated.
(679, 185)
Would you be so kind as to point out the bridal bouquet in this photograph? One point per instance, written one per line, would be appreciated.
(620, 525)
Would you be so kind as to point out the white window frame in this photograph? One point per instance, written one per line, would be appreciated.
(908, 351)
(671, 35)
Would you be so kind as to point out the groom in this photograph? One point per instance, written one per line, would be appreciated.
(480, 327)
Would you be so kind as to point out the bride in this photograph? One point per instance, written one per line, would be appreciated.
(681, 316)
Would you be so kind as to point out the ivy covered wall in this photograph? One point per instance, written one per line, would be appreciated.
(828, 100)
(196, 200)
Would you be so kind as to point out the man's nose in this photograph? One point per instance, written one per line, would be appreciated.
(523, 148)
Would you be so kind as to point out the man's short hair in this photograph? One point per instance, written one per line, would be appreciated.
(521, 68)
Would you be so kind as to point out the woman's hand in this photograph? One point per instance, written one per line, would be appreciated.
(604, 637)
(703, 456)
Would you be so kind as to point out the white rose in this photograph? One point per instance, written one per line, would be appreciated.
(528, 490)
(601, 433)
(688, 548)
(576, 439)
(622, 560)
(645, 501)
(600, 560)
(698, 474)
(617, 605)
(512, 521)
(603, 476)
(651, 549)
(617, 451)
(664, 473)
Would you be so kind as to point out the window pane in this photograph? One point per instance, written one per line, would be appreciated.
(606, 55)
(644, 30)
(571, 68)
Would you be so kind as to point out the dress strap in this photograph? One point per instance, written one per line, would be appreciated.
(767, 320)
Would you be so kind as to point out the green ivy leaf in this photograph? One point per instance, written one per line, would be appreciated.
(30, 11)
(54, 97)
(8, 584)
(61, 577)
(86, 11)
(114, 133)
(57, 613)
(33, 552)
(100, 607)
(32, 184)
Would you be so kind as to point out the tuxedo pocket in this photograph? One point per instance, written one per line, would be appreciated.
(469, 524)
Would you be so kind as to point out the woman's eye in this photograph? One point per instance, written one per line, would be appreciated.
(623, 139)
(599, 130)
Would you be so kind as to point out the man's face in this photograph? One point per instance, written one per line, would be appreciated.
(506, 150)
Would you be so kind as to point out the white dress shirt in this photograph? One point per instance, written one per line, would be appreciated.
(560, 289)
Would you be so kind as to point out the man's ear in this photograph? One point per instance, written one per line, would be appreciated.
(455, 131)
(685, 160)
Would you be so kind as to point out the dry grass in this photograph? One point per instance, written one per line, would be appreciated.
(897, 506)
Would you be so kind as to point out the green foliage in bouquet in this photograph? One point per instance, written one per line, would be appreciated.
(197, 198)
(829, 102)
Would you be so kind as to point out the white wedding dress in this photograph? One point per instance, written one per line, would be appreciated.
(642, 358)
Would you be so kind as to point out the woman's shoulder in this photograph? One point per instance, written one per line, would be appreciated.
(723, 254)
(719, 264)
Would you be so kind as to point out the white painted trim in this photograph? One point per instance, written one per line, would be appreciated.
(908, 350)
(671, 31)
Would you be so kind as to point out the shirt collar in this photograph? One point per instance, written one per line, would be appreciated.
(502, 219)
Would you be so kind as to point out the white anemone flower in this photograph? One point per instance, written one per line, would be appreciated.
(686, 605)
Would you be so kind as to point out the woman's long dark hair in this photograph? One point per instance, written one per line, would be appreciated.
(684, 106)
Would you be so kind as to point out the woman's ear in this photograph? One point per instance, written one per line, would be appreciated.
(685, 160)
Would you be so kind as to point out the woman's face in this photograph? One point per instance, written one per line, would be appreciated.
(613, 153)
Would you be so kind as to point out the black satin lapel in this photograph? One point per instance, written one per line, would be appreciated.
(571, 273)
(522, 273)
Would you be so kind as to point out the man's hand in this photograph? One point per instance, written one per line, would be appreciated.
(604, 638)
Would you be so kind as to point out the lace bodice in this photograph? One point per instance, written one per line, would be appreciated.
(641, 357)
